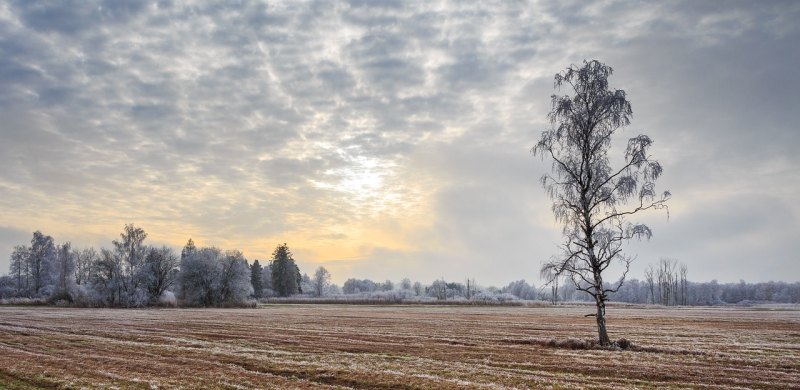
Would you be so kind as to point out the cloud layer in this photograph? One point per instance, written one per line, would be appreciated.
(390, 139)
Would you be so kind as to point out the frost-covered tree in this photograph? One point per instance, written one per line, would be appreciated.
(188, 249)
(684, 270)
(199, 276)
(256, 271)
(553, 279)
(521, 289)
(306, 284)
(234, 283)
(667, 280)
(130, 246)
(8, 287)
(418, 288)
(438, 289)
(20, 269)
(333, 289)
(131, 251)
(84, 259)
(158, 272)
(321, 281)
(63, 272)
(590, 196)
(128, 259)
(105, 279)
(649, 278)
(266, 281)
(42, 257)
(209, 277)
(286, 278)
(356, 286)
(350, 287)
(405, 284)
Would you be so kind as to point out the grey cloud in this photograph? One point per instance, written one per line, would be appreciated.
(376, 145)
(385, 4)
(336, 78)
(283, 172)
(66, 17)
(737, 236)
(472, 71)
(260, 16)
(223, 117)
(379, 59)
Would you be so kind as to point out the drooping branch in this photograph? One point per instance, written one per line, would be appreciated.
(659, 204)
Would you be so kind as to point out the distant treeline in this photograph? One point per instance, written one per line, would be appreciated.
(666, 283)
(713, 293)
(133, 274)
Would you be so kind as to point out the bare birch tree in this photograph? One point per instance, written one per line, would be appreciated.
(684, 271)
(590, 197)
(548, 274)
(666, 271)
(648, 275)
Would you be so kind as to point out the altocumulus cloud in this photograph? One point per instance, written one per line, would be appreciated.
(390, 139)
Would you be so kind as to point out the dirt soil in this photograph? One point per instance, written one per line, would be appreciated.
(395, 347)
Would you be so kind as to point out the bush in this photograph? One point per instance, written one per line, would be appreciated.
(61, 299)
(624, 343)
(167, 299)
(577, 344)
(488, 297)
(83, 296)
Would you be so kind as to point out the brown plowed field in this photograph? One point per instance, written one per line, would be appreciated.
(397, 347)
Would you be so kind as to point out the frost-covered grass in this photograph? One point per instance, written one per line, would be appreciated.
(392, 298)
(23, 301)
(396, 346)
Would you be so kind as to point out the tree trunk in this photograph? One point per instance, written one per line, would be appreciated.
(600, 300)
(602, 333)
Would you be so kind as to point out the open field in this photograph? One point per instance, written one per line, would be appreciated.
(403, 347)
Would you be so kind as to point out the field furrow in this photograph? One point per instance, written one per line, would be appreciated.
(395, 347)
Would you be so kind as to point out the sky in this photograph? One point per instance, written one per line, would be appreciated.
(391, 139)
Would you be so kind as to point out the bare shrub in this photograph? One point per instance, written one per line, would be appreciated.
(23, 301)
(167, 299)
